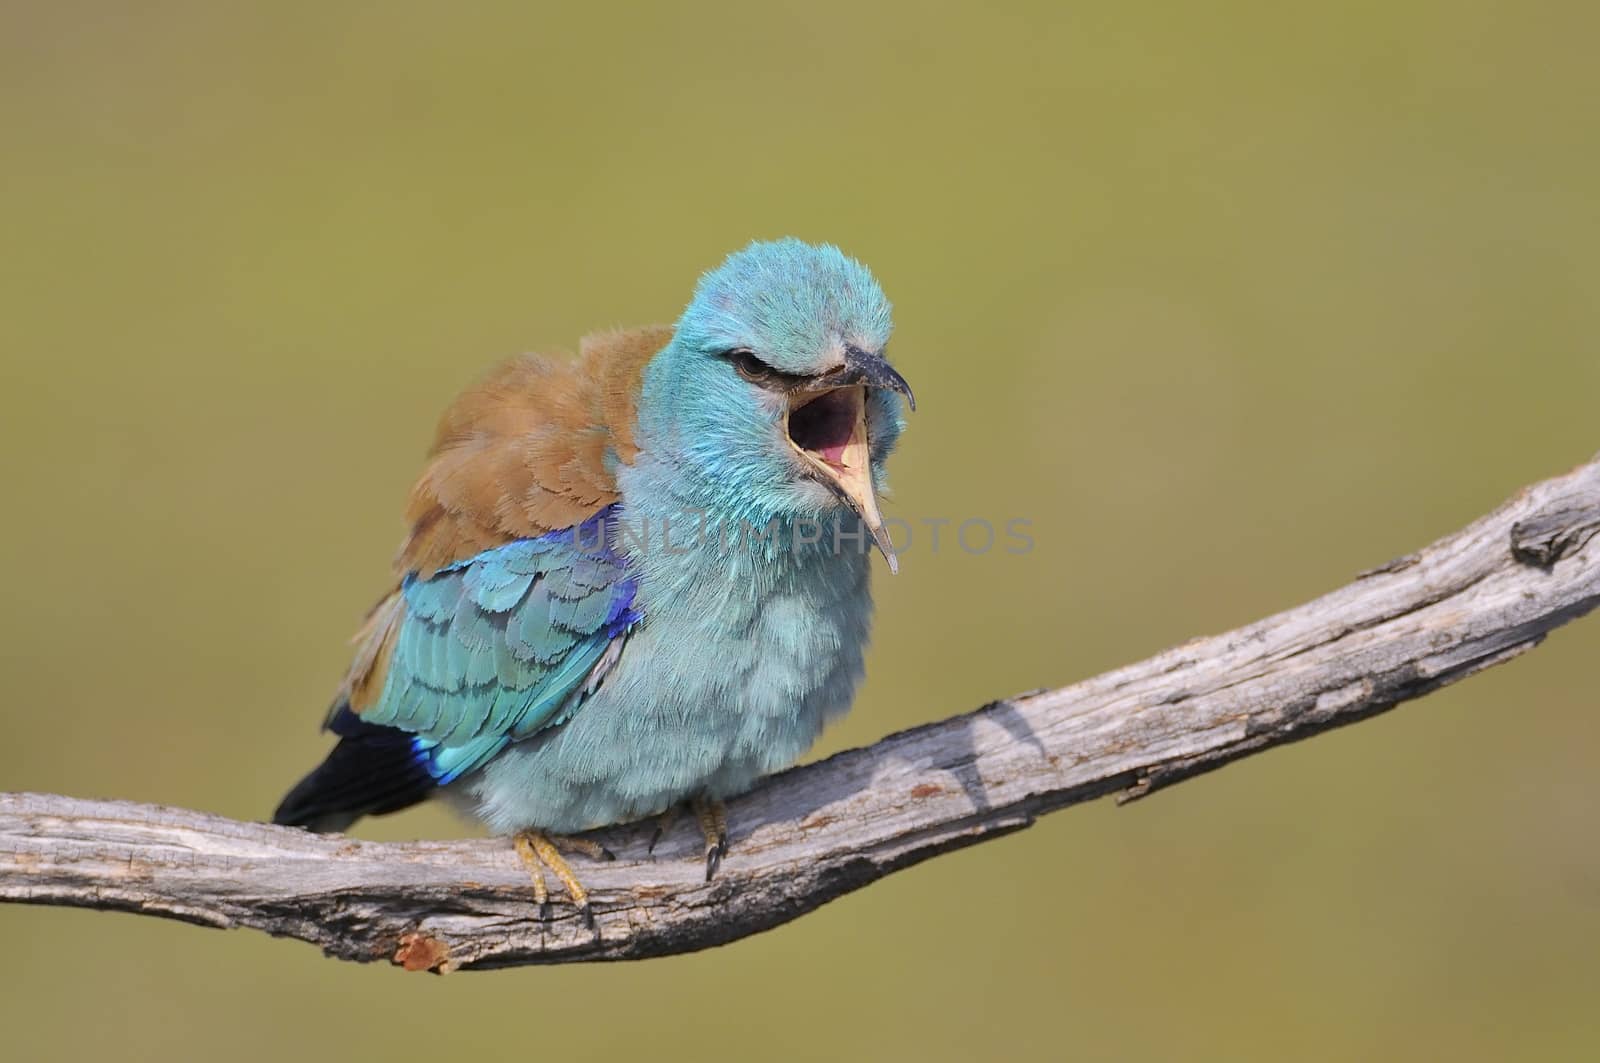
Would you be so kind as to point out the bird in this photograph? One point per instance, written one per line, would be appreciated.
(636, 580)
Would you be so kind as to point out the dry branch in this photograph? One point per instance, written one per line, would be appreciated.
(1474, 599)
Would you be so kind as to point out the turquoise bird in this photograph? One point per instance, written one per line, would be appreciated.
(634, 580)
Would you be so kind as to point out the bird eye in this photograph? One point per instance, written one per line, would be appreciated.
(749, 366)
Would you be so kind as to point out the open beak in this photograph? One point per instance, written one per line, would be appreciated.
(827, 426)
(860, 367)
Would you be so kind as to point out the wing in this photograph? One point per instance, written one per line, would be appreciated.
(511, 607)
(510, 598)
(491, 649)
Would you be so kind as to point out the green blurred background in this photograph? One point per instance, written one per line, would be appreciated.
(1232, 300)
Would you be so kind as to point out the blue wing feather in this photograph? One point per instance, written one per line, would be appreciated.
(497, 647)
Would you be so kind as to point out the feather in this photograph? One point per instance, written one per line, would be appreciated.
(468, 663)
(375, 644)
(527, 451)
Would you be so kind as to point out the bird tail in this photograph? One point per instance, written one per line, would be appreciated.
(372, 771)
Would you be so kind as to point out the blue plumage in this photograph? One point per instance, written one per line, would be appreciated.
(655, 651)
(498, 646)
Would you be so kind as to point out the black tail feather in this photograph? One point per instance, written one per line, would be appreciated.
(373, 770)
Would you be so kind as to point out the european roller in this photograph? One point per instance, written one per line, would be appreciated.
(635, 580)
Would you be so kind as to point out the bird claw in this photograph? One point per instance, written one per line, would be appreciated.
(538, 851)
(713, 819)
(664, 823)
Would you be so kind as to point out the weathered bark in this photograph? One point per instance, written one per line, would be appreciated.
(1474, 599)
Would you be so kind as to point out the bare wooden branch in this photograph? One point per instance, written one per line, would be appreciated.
(1482, 596)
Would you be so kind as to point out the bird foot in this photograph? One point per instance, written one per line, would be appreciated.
(713, 819)
(539, 851)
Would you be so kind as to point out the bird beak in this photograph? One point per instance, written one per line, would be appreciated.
(827, 426)
(860, 367)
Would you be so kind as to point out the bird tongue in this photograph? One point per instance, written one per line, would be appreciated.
(833, 453)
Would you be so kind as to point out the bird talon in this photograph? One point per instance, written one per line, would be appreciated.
(538, 851)
(713, 819)
(664, 823)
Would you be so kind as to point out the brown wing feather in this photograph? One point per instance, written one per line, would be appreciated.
(524, 452)
(374, 645)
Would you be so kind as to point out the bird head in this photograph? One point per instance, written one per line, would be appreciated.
(777, 389)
